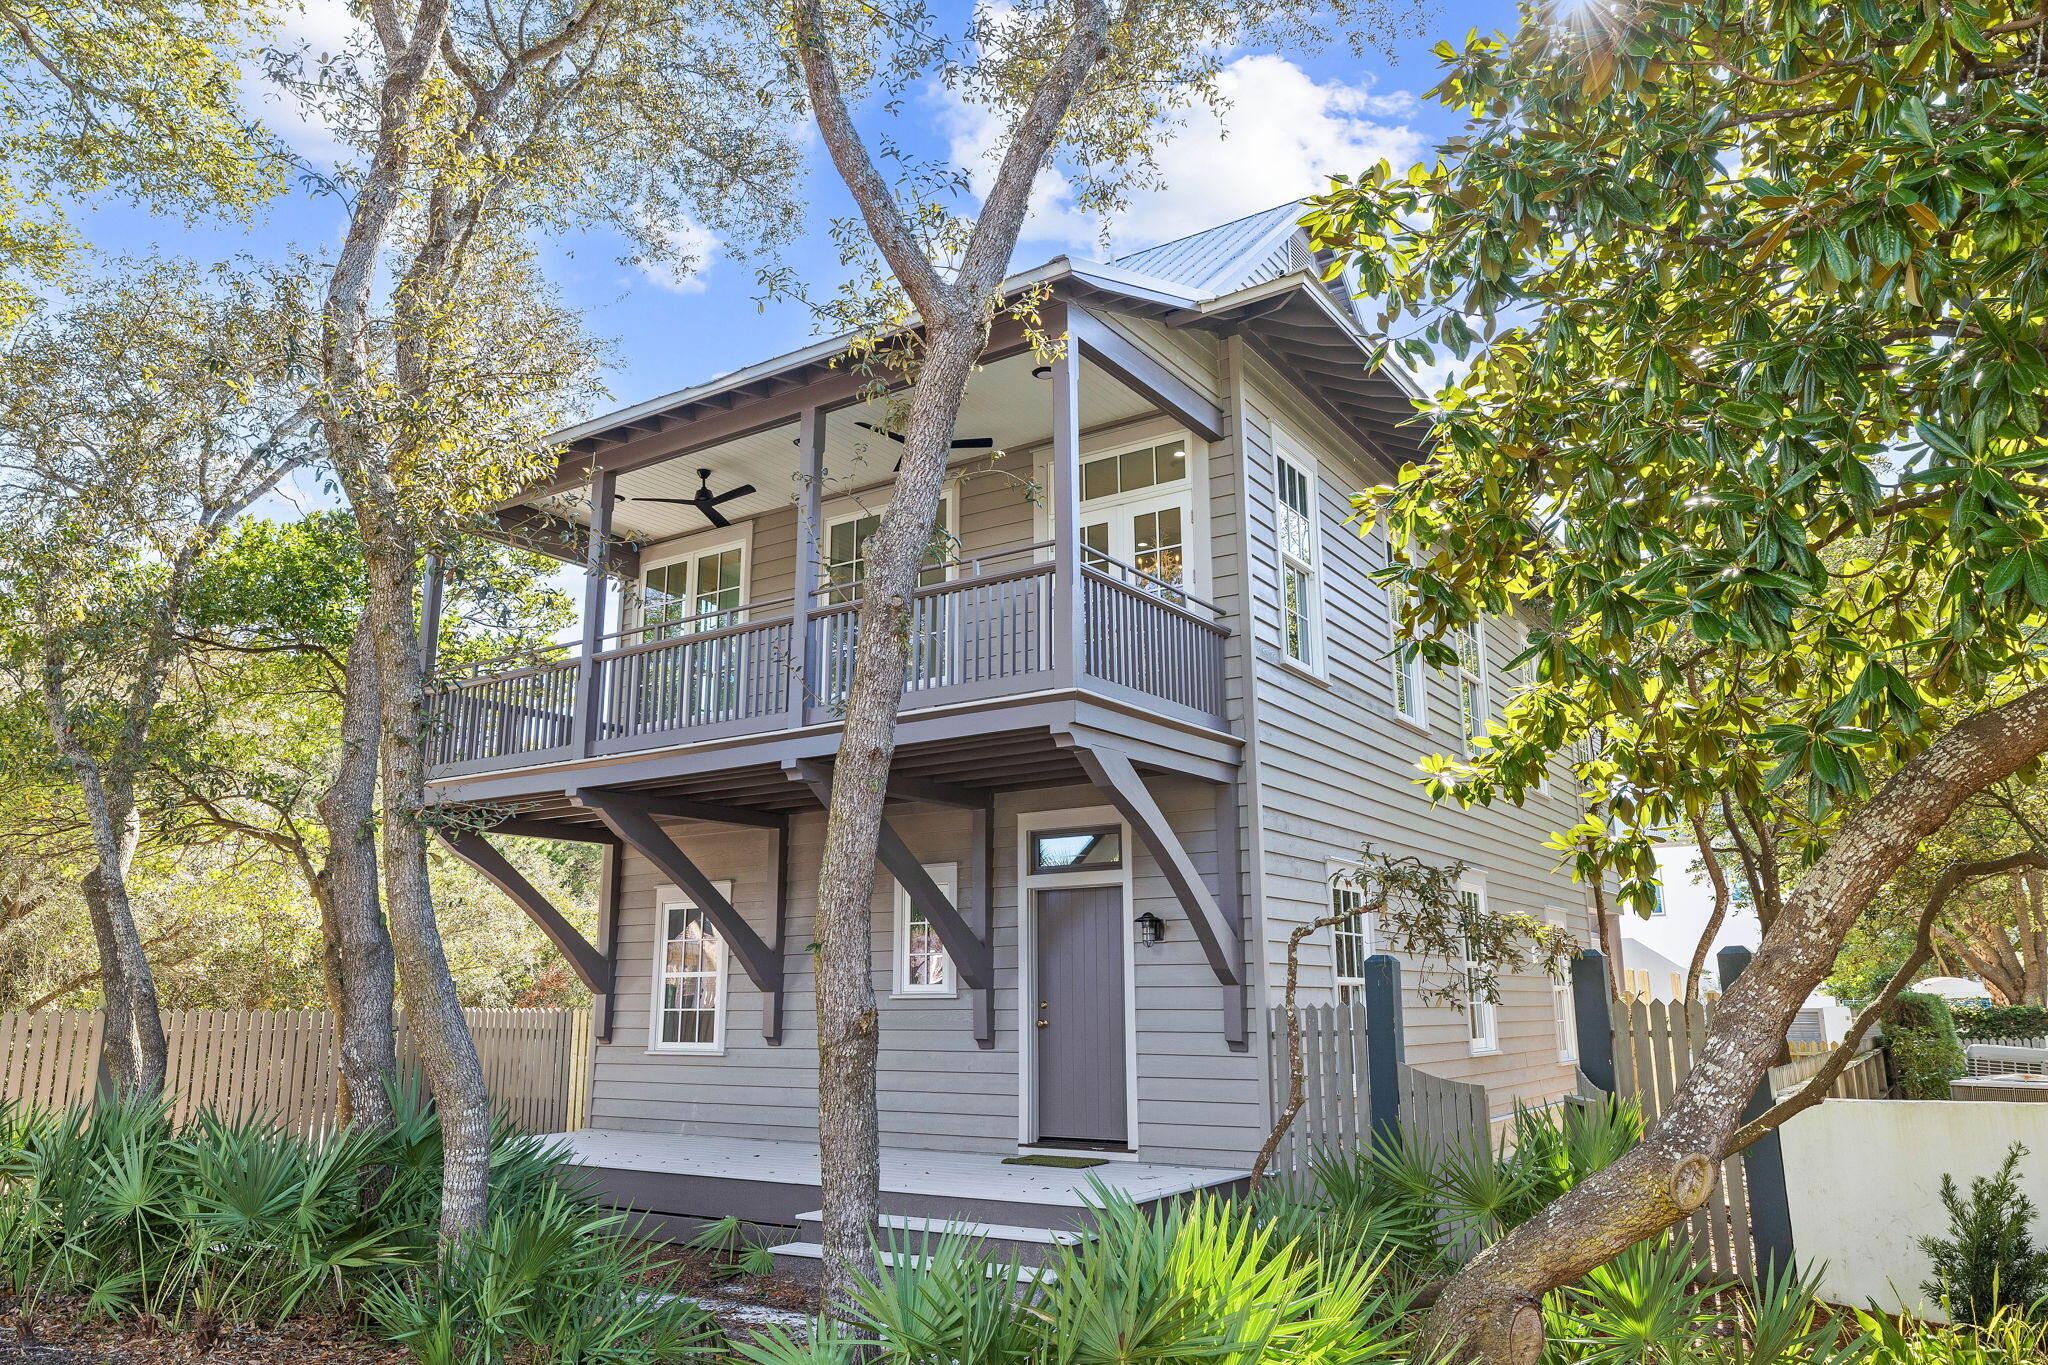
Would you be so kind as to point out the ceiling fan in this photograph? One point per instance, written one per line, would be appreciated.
(704, 500)
(963, 443)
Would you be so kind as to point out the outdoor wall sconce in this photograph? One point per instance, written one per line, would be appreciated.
(1150, 928)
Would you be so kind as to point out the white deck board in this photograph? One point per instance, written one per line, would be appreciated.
(961, 1175)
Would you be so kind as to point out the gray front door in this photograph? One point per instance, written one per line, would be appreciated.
(1080, 1018)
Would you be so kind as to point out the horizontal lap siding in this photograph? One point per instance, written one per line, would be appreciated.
(1336, 769)
(1197, 1101)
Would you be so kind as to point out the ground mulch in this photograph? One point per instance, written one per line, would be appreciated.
(683, 1270)
(310, 1342)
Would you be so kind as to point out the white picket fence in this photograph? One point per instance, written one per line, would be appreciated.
(279, 1064)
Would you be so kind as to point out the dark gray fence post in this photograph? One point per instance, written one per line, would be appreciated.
(1770, 1209)
(1385, 1054)
(1592, 1012)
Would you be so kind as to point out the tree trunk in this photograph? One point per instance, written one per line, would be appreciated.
(133, 1054)
(358, 946)
(1492, 1309)
(848, 1029)
(434, 1020)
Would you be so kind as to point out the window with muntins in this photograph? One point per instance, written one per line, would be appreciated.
(1564, 1014)
(702, 592)
(1299, 608)
(1351, 941)
(1481, 1014)
(846, 543)
(1471, 642)
(922, 964)
(689, 981)
(1411, 690)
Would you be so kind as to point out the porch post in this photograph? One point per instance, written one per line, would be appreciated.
(1592, 1006)
(1385, 1052)
(810, 482)
(432, 584)
(1770, 1207)
(1069, 662)
(603, 490)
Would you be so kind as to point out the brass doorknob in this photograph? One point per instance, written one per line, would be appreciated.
(1042, 1023)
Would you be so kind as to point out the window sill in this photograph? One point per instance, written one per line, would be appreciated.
(1420, 727)
(1302, 670)
(1486, 1050)
(924, 995)
(686, 1051)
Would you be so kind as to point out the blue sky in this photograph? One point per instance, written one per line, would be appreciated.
(1292, 118)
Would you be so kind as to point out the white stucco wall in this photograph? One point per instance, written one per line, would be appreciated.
(1864, 1182)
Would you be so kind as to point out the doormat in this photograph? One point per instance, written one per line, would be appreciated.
(1068, 1163)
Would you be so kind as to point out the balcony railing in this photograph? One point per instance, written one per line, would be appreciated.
(986, 635)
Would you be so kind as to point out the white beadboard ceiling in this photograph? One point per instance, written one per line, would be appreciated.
(1003, 402)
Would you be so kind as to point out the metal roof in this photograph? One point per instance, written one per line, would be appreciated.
(1196, 260)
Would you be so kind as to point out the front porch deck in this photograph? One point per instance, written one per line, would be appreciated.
(689, 1178)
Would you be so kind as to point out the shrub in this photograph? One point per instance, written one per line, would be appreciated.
(1926, 1055)
(1988, 1262)
(1977, 1022)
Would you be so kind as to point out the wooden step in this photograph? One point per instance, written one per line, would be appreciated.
(809, 1254)
(992, 1241)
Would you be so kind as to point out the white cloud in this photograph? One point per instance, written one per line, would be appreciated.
(316, 30)
(686, 247)
(1280, 133)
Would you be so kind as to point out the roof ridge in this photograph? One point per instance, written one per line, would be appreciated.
(1203, 232)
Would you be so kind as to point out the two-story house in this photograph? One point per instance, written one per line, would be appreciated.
(1153, 705)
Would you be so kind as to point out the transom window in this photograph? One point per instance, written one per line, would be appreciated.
(922, 964)
(702, 592)
(1077, 850)
(1129, 471)
(689, 980)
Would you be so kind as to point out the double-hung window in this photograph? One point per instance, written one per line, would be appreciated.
(1411, 690)
(1300, 591)
(1471, 643)
(1482, 1015)
(689, 978)
(922, 965)
(1350, 938)
(1564, 1013)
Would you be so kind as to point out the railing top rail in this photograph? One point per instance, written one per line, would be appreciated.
(1194, 617)
(691, 637)
(474, 670)
(1096, 557)
(686, 624)
(513, 675)
(973, 563)
(950, 585)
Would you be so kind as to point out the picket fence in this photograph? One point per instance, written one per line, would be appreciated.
(279, 1064)
(1862, 1079)
(1336, 1114)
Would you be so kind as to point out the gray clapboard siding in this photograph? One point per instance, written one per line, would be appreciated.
(1336, 764)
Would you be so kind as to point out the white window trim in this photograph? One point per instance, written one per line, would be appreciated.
(1471, 729)
(1287, 451)
(1362, 925)
(1483, 1013)
(1564, 1016)
(1410, 669)
(713, 539)
(666, 899)
(949, 509)
(947, 875)
(1195, 489)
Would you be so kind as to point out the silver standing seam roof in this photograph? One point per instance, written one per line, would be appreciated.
(1198, 259)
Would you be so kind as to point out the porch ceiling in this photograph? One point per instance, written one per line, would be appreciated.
(1004, 403)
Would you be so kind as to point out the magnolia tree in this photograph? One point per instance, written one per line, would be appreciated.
(136, 423)
(1082, 84)
(1751, 301)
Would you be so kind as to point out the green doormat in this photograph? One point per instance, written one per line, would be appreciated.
(1070, 1163)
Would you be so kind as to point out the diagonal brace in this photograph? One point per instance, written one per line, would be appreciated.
(590, 965)
(627, 819)
(970, 953)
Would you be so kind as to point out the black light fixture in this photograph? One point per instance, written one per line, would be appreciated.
(1151, 928)
(1041, 371)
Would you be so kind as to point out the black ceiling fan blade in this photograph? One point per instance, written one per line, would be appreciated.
(713, 515)
(895, 436)
(975, 443)
(680, 502)
(729, 494)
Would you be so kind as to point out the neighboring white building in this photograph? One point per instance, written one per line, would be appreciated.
(1656, 952)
